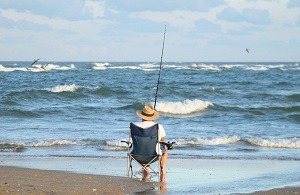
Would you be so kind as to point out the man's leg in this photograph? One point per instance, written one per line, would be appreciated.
(163, 163)
(146, 173)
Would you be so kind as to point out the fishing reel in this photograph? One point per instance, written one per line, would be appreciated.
(168, 144)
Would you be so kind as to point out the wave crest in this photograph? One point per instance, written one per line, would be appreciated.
(275, 143)
(100, 66)
(48, 143)
(208, 141)
(64, 88)
(183, 108)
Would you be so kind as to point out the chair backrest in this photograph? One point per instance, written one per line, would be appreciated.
(144, 140)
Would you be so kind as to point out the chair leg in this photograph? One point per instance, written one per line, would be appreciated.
(127, 166)
(145, 166)
(130, 167)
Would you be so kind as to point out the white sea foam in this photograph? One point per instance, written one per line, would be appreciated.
(37, 68)
(44, 143)
(272, 143)
(100, 66)
(5, 69)
(229, 66)
(205, 67)
(257, 68)
(261, 67)
(52, 143)
(114, 145)
(208, 141)
(126, 67)
(148, 66)
(148, 69)
(117, 145)
(275, 143)
(63, 88)
(171, 67)
(280, 66)
(54, 67)
(183, 108)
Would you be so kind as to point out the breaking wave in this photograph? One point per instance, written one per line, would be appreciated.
(37, 68)
(100, 66)
(274, 143)
(64, 88)
(183, 108)
(208, 141)
(215, 67)
(44, 143)
(7, 146)
(118, 145)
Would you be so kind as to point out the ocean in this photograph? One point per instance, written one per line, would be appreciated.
(211, 110)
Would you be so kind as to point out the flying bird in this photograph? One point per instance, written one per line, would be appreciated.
(247, 50)
(35, 61)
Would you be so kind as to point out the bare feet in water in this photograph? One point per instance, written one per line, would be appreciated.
(146, 174)
(163, 174)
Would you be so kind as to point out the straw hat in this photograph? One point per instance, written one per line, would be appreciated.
(148, 113)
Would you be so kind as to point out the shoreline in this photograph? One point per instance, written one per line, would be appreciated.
(192, 176)
(20, 180)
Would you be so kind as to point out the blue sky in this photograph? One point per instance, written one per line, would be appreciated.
(132, 30)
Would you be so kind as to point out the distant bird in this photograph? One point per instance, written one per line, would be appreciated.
(35, 61)
(247, 50)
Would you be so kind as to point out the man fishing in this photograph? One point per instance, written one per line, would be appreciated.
(148, 115)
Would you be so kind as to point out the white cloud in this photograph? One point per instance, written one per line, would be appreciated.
(182, 19)
(63, 39)
(278, 12)
(81, 33)
(79, 26)
(96, 9)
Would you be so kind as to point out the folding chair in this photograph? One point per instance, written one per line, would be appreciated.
(143, 150)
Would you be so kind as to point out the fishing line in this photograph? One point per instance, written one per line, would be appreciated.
(160, 66)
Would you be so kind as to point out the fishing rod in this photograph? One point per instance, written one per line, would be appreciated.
(160, 66)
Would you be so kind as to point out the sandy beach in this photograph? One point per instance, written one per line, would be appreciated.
(107, 175)
(286, 190)
(32, 181)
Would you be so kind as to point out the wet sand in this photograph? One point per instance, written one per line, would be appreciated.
(107, 175)
(32, 181)
(279, 191)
